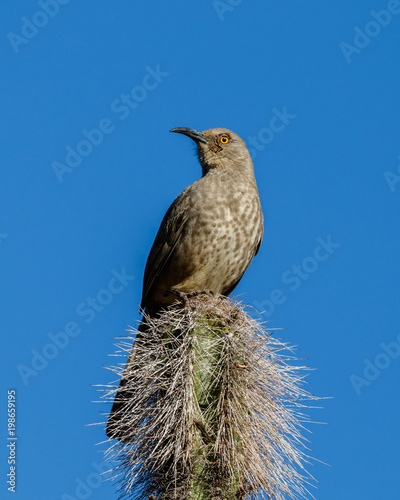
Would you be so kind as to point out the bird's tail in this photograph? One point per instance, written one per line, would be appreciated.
(123, 396)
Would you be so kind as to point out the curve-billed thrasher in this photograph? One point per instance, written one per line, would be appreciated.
(208, 236)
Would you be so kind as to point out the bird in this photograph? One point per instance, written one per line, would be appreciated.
(207, 238)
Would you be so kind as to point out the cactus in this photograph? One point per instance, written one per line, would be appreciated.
(215, 409)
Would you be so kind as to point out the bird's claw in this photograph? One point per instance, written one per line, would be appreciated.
(200, 292)
(183, 297)
(180, 295)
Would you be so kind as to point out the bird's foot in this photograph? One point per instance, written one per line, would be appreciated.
(200, 292)
(183, 297)
(180, 295)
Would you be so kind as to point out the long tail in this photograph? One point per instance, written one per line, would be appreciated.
(114, 428)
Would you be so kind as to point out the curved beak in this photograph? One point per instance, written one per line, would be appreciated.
(193, 134)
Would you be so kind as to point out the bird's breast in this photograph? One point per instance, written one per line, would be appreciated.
(218, 243)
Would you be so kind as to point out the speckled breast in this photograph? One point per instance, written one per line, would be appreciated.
(223, 232)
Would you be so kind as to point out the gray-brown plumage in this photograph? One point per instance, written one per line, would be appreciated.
(208, 236)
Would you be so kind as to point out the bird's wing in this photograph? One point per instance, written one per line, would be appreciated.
(166, 240)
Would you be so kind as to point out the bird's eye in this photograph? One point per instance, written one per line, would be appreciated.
(224, 139)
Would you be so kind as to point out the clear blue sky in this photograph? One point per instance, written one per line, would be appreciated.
(78, 218)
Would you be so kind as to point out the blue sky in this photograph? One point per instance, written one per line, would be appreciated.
(75, 229)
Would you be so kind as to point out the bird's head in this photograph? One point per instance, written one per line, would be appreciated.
(219, 148)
